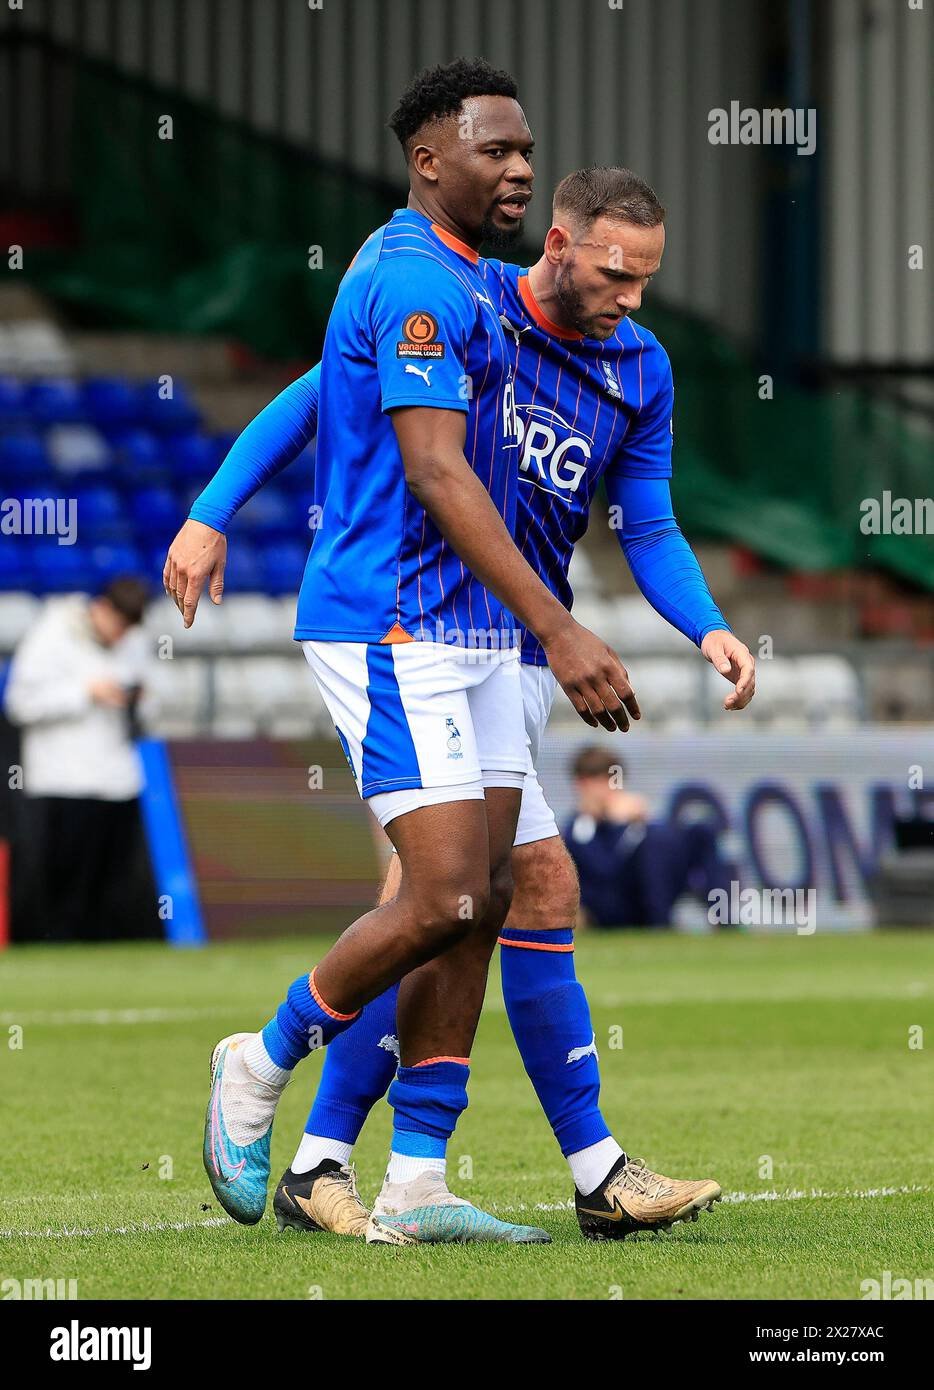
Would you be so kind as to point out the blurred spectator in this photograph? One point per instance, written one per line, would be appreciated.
(632, 870)
(80, 867)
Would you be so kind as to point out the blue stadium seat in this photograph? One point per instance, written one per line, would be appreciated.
(84, 478)
(109, 561)
(270, 512)
(23, 458)
(112, 405)
(130, 508)
(60, 569)
(141, 458)
(156, 511)
(101, 514)
(153, 563)
(24, 466)
(16, 563)
(224, 442)
(193, 458)
(56, 401)
(245, 571)
(138, 446)
(177, 414)
(186, 494)
(13, 408)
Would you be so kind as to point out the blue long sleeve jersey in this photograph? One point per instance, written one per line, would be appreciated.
(662, 563)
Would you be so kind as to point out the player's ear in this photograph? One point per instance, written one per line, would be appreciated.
(557, 243)
(424, 160)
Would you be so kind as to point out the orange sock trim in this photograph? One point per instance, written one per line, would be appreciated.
(464, 1061)
(332, 1013)
(535, 945)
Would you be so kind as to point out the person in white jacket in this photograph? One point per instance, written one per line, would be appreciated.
(73, 687)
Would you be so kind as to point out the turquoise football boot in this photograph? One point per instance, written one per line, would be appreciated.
(243, 1106)
(424, 1212)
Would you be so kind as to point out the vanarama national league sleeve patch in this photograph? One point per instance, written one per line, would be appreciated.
(422, 317)
(420, 336)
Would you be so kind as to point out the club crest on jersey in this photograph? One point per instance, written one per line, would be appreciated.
(420, 336)
(609, 376)
(454, 738)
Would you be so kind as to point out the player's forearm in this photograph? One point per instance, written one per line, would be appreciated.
(662, 563)
(463, 512)
(270, 442)
(667, 572)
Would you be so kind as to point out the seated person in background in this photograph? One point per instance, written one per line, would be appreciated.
(80, 867)
(632, 870)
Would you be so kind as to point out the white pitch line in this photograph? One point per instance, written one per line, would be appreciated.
(797, 1194)
(72, 1017)
(790, 1194)
(144, 1228)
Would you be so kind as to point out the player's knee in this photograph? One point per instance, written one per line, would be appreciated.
(448, 907)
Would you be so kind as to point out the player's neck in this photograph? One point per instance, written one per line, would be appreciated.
(439, 218)
(542, 284)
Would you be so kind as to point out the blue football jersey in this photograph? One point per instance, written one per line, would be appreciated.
(413, 325)
(585, 410)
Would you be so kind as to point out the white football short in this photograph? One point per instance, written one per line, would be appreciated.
(423, 722)
(536, 818)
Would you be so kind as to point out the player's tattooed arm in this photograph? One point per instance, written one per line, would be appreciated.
(438, 475)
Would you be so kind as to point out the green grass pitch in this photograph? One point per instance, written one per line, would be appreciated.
(738, 1052)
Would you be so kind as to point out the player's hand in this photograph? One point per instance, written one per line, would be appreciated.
(198, 555)
(592, 677)
(735, 662)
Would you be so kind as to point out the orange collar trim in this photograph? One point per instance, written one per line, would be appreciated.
(456, 244)
(541, 318)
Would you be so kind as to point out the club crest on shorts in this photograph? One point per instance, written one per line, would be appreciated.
(454, 738)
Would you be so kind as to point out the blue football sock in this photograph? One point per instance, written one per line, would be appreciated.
(302, 1023)
(550, 1018)
(358, 1067)
(427, 1101)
